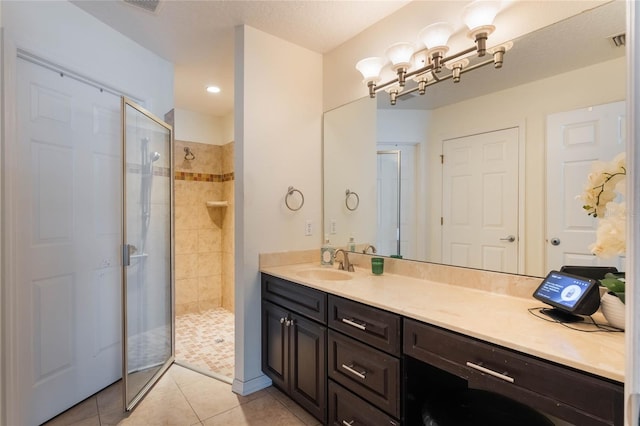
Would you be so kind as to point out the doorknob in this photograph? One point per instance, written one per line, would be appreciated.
(509, 238)
(555, 241)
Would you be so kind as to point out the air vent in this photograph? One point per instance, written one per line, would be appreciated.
(618, 40)
(148, 5)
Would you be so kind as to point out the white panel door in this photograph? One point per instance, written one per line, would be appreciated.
(66, 201)
(389, 202)
(480, 201)
(575, 139)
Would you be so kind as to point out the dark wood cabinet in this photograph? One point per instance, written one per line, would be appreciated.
(294, 347)
(346, 408)
(572, 395)
(348, 363)
(368, 372)
(363, 359)
(370, 325)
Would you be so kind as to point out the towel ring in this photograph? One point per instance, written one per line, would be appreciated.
(290, 192)
(348, 194)
(188, 154)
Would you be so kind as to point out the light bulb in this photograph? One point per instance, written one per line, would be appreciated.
(370, 68)
(480, 13)
(479, 17)
(400, 55)
(436, 35)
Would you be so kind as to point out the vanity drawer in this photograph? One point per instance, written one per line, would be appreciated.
(371, 325)
(370, 373)
(346, 408)
(575, 395)
(298, 298)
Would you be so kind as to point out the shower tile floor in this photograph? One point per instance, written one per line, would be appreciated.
(206, 341)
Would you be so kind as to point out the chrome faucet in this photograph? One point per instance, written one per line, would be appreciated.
(373, 249)
(345, 265)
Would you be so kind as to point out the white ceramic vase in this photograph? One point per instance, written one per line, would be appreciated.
(613, 310)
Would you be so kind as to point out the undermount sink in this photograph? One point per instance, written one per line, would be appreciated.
(324, 274)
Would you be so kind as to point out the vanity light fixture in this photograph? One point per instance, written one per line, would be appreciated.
(425, 66)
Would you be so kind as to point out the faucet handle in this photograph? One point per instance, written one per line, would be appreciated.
(351, 269)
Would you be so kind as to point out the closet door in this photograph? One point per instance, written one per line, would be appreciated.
(65, 238)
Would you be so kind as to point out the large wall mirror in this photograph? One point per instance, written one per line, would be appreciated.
(385, 183)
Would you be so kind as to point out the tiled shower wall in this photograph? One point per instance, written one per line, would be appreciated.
(203, 235)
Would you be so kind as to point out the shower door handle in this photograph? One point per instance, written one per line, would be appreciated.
(127, 251)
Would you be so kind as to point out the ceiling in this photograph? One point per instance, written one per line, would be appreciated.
(197, 36)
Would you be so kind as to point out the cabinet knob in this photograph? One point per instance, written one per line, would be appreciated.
(282, 320)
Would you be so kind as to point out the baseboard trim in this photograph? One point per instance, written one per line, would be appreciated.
(250, 386)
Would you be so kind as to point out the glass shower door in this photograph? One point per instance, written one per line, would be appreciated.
(148, 291)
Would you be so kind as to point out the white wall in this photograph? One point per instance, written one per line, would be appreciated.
(278, 111)
(410, 127)
(194, 126)
(352, 150)
(65, 35)
(528, 104)
(59, 31)
(343, 83)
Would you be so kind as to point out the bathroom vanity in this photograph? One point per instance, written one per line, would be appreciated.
(364, 349)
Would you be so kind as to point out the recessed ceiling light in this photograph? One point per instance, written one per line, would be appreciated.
(213, 89)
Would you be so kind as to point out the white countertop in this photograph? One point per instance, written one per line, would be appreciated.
(496, 318)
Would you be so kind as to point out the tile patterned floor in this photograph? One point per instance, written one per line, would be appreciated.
(206, 341)
(184, 397)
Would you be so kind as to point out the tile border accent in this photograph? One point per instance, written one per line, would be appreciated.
(204, 177)
(157, 171)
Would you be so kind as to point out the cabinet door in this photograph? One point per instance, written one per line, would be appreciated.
(307, 352)
(275, 349)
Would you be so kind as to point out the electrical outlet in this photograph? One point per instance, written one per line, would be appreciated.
(308, 228)
(333, 227)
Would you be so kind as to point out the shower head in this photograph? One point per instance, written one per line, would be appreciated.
(155, 156)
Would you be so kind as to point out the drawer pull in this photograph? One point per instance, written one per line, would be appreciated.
(352, 323)
(490, 372)
(362, 374)
(346, 423)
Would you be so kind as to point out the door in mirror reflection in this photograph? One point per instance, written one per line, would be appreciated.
(575, 140)
(389, 202)
(147, 254)
(480, 201)
(396, 231)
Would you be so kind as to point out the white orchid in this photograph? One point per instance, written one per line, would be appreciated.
(606, 184)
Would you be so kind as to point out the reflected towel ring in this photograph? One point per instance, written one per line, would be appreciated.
(290, 192)
(348, 194)
(188, 154)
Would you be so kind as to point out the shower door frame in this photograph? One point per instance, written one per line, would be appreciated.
(129, 405)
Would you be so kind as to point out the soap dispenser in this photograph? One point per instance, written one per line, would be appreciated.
(327, 252)
(351, 245)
